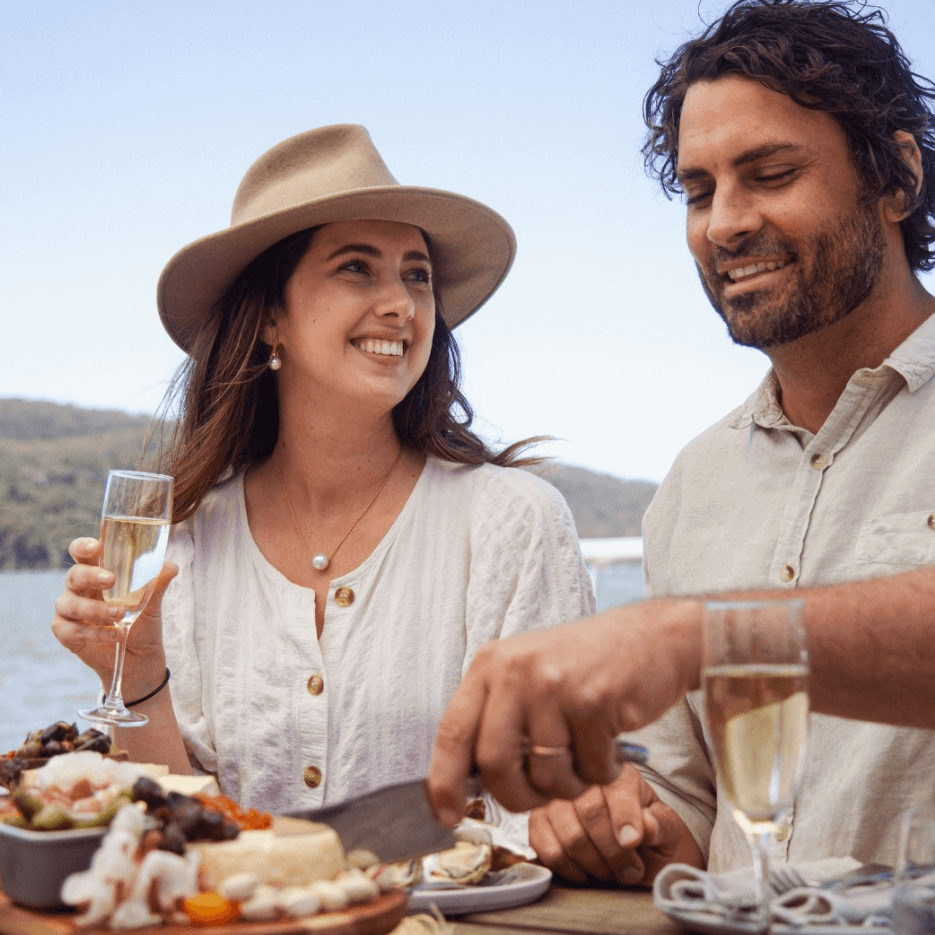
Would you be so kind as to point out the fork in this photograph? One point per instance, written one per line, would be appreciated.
(785, 878)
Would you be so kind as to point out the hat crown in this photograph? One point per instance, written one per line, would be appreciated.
(318, 164)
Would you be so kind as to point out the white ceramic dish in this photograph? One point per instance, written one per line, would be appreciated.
(708, 924)
(528, 882)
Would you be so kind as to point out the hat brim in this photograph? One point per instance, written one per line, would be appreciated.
(473, 249)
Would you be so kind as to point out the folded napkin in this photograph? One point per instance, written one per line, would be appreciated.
(679, 889)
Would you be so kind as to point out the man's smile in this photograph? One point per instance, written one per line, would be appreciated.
(741, 273)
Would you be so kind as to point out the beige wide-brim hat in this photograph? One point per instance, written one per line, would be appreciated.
(335, 174)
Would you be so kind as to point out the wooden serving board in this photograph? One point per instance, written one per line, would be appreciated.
(376, 918)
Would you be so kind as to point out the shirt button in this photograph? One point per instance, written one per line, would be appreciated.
(316, 684)
(931, 521)
(786, 573)
(344, 597)
(312, 777)
(782, 832)
(819, 461)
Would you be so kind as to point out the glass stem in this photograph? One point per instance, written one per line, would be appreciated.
(759, 845)
(115, 695)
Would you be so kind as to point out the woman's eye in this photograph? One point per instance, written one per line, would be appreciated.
(355, 266)
(421, 275)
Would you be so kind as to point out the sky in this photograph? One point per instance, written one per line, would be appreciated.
(127, 127)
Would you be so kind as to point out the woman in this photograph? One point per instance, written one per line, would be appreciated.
(343, 542)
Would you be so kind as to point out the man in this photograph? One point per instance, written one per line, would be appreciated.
(804, 147)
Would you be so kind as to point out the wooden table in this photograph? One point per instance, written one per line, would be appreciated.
(582, 910)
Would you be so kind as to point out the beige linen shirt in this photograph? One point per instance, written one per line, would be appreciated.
(286, 720)
(755, 502)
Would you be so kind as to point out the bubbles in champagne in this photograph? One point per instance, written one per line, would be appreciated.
(758, 717)
(133, 549)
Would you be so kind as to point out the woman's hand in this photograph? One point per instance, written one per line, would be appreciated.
(619, 832)
(85, 624)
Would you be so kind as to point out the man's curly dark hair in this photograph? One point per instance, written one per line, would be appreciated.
(837, 57)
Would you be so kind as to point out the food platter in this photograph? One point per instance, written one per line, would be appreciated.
(374, 918)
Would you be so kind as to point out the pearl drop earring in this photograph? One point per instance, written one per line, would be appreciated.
(275, 361)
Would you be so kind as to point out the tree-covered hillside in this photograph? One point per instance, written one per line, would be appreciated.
(54, 461)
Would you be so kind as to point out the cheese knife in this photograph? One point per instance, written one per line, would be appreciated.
(397, 823)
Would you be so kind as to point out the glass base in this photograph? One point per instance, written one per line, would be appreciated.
(115, 717)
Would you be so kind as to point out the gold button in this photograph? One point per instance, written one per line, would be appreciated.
(931, 521)
(316, 684)
(782, 833)
(344, 597)
(819, 461)
(312, 777)
(786, 573)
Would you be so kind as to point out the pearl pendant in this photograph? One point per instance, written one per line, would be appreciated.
(320, 561)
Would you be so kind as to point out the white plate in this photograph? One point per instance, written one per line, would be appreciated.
(709, 924)
(529, 882)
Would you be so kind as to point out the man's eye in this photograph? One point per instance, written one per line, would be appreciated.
(775, 176)
(697, 196)
(421, 275)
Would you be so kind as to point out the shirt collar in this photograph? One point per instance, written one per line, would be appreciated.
(913, 360)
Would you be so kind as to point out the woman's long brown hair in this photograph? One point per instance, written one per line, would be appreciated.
(229, 414)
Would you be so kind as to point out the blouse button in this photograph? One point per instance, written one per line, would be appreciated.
(782, 833)
(819, 461)
(931, 521)
(344, 597)
(312, 777)
(316, 684)
(786, 573)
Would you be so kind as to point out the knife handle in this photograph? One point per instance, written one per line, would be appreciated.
(627, 752)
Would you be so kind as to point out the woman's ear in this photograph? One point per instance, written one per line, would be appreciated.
(268, 334)
(896, 205)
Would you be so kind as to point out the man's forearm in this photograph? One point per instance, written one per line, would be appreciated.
(871, 646)
(872, 649)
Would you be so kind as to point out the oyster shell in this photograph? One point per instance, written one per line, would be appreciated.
(464, 864)
(405, 874)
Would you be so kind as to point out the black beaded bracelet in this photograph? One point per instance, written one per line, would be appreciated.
(153, 693)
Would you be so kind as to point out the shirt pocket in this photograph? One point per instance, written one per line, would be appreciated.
(899, 539)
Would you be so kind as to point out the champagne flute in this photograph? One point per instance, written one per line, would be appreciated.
(134, 534)
(755, 683)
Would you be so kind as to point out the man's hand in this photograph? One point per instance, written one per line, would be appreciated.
(621, 832)
(567, 691)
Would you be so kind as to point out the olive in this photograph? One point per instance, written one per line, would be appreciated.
(58, 731)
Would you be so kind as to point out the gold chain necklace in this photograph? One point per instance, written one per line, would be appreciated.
(320, 561)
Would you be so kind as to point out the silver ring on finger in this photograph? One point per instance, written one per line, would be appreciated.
(538, 750)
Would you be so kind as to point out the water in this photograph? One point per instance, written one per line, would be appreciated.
(618, 584)
(41, 682)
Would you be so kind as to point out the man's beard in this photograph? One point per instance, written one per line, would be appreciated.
(847, 258)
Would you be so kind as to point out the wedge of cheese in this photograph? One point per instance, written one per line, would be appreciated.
(295, 858)
(188, 785)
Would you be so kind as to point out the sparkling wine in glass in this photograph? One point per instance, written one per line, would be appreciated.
(134, 534)
(755, 683)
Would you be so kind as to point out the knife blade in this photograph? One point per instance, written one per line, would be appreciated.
(397, 823)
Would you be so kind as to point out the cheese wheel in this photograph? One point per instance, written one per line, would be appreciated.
(288, 860)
